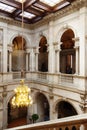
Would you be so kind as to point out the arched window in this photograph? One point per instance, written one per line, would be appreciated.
(67, 54)
(19, 54)
(42, 44)
(43, 55)
(18, 44)
(65, 109)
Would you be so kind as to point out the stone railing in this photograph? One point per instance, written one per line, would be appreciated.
(78, 122)
(51, 78)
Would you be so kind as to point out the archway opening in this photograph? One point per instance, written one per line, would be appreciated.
(17, 116)
(42, 107)
(65, 109)
(67, 54)
(43, 55)
(18, 54)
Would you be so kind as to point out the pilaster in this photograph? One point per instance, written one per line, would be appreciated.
(4, 94)
(4, 60)
(82, 42)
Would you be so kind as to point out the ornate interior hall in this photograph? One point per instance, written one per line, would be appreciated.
(44, 44)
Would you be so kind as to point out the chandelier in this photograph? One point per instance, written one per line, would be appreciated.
(22, 96)
(22, 92)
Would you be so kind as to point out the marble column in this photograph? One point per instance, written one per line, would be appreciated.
(32, 59)
(4, 59)
(51, 52)
(4, 107)
(77, 54)
(10, 61)
(82, 41)
(57, 59)
(82, 127)
(51, 59)
(27, 61)
(36, 59)
(28, 51)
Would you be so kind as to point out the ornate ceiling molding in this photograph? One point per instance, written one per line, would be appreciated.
(75, 6)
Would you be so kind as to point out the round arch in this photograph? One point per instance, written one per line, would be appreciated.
(67, 53)
(42, 106)
(16, 35)
(36, 94)
(43, 55)
(56, 105)
(16, 116)
(38, 37)
(62, 30)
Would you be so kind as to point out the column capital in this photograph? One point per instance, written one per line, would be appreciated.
(29, 49)
(37, 50)
(76, 47)
(76, 42)
(10, 51)
(57, 47)
(10, 47)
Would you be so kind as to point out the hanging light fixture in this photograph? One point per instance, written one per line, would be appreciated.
(22, 92)
(22, 96)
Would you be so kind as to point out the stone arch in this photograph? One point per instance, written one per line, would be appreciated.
(15, 114)
(62, 30)
(42, 44)
(55, 108)
(10, 97)
(16, 35)
(37, 37)
(66, 39)
(36, 94)
(67, 53)
(42, 105)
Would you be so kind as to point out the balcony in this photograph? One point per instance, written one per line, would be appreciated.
(78, 122)
(69, 80)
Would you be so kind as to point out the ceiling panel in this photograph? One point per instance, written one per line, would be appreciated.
(35, 9)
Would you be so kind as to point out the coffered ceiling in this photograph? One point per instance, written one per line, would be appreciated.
(31, 11)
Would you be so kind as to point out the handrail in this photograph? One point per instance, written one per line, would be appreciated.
(73, 121)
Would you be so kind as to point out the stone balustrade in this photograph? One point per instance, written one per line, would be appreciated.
(78, 122)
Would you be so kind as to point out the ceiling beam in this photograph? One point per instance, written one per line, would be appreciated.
(10, 3)
(43, 6)
(34, 11)
(29, 3)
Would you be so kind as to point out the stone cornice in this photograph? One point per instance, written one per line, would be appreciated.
(13, 22)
